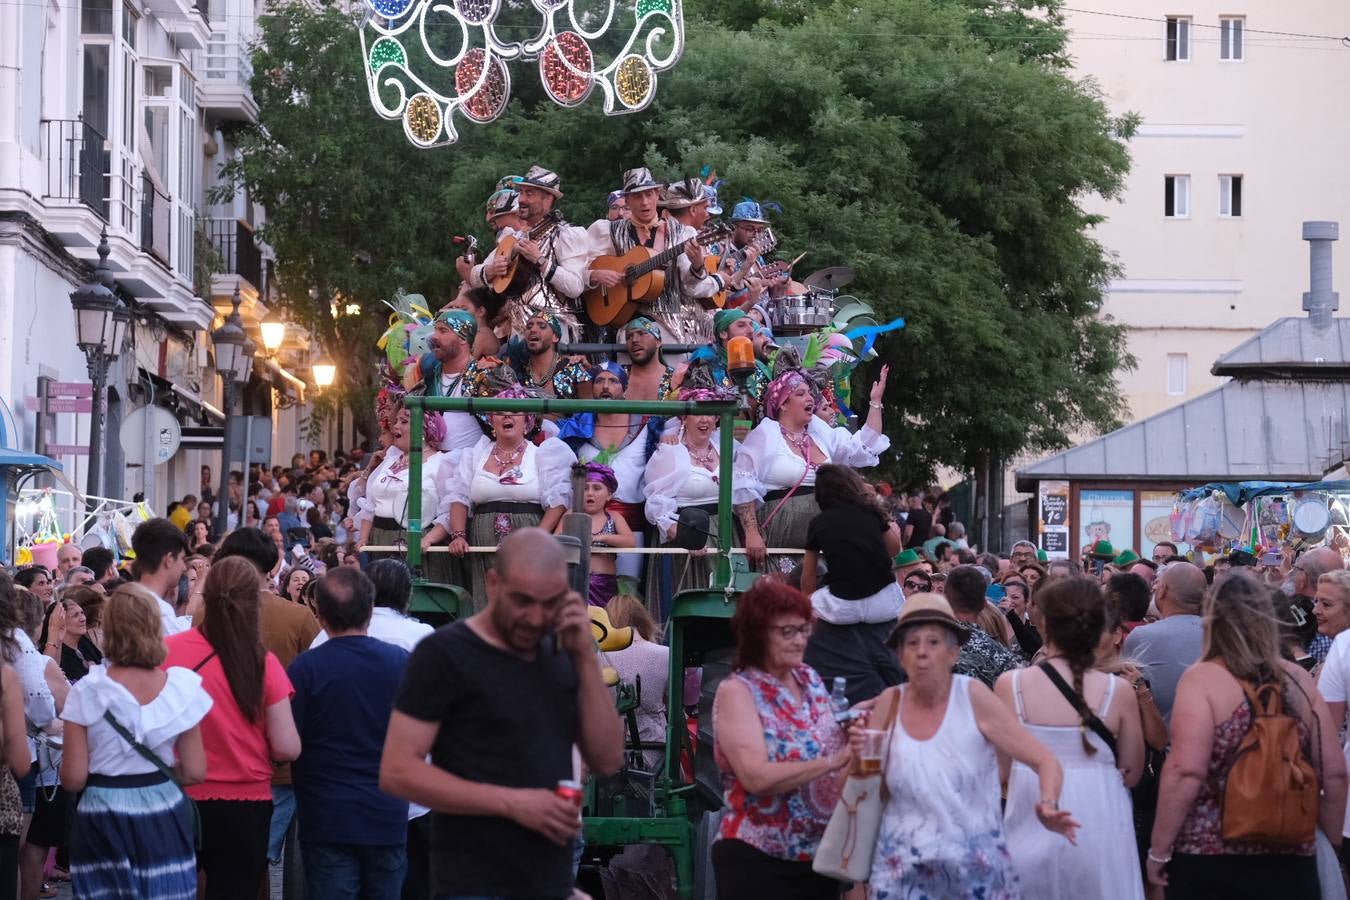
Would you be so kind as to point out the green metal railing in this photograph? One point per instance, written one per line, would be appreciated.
(725, 411)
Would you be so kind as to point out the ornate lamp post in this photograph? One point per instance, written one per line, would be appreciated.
(234, 362)
(100, 326)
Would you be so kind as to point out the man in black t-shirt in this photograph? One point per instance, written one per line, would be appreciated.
(499, 700)
(919, 522)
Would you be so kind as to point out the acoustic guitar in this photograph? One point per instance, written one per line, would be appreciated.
(644, 278)
(506, 248)
(765, 242)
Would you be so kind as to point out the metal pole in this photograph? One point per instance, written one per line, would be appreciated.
(415, 438)
(98, 374)
(223, 497)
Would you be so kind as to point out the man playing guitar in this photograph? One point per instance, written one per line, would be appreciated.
(687, 279)
(550, 258)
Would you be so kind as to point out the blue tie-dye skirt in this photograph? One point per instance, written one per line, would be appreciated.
(132, 840)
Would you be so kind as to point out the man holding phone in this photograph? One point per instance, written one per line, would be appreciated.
(498, 701)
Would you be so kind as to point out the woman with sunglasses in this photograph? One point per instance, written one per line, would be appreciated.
(782, 756)
(918, 582)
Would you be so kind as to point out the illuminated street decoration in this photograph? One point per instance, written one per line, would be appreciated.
(413, 79)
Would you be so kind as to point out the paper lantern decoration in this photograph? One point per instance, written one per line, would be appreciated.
(424, 87)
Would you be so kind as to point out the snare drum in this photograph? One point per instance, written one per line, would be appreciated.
(811, 310)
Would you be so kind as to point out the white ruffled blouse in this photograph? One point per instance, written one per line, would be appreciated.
(778, 466)
(385, 492)
(673, 481)
(546, 478)
(180, 705)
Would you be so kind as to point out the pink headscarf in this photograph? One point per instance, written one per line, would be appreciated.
(518, 391)
(433, 430)
(780, 389)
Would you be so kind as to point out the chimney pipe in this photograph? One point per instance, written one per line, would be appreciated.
(1320, 301)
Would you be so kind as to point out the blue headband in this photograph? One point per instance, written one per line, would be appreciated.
(612, 368)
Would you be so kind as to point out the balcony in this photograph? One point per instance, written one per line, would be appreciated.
(77, 165)
(223, 91)
(238, 259)
(187, 20)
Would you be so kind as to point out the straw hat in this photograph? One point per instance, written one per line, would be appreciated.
(928, 609)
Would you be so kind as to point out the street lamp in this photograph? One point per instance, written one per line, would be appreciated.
(234, 362)
(324, 371)
(100, 327)
(273, 332)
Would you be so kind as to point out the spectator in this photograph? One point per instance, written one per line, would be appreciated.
(499, 700)
(1130, 593)
(1164, 649)
(78, 575)
(38, 580)
(161, 550)
(981, 656)
(919, 522)
(1163, 551)
(1062, 568)
(15, 703)
(646, 663)
(91, 599)
(287, 629)
(1304, 577)
(389, 621)
(67, 557)
(78, 653)
(354, 835)
(1331, 603)
(294, 583)
(133, 828)
(1211, 718)
(100, 561)
(249, 725)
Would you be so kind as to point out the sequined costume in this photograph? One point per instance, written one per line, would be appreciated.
(552, 286)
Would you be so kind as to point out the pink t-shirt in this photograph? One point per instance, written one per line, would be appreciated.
(238, 764)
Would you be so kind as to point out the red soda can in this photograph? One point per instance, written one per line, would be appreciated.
(569, 790)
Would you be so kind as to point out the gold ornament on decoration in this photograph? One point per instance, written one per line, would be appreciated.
(634, 82)
(466, 67)
(422, 119)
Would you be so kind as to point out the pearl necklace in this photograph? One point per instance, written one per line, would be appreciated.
(510, 460)
(707, 459)
(801, 444)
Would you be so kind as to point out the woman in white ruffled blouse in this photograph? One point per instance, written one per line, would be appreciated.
(502, 483)
(133, 833)
(785, 449)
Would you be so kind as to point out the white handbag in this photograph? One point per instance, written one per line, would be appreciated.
(846, 849)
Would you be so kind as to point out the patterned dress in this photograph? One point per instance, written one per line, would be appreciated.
(941, 834)
(785, 826)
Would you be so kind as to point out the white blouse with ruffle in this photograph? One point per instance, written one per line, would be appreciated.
(180, 705)
(546, 478)
(778, 466)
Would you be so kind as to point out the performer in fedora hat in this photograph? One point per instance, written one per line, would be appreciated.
(553, 257)
(686, 280)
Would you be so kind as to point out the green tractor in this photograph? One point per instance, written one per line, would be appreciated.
(665, 807)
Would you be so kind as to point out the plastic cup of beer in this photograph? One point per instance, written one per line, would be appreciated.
(869, 761)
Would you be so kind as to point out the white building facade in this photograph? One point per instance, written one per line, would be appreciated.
(114, 114)
(1244, 135)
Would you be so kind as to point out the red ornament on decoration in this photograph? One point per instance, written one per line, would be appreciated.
(565, 67)
(483, 101)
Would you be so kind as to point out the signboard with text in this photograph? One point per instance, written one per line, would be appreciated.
(1053, 503)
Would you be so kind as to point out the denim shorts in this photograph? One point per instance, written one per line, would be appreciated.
(28, 790)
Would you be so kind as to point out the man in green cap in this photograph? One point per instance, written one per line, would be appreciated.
(727, 324)
(907, 561)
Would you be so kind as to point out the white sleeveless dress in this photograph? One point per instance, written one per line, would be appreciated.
(941, 835)
(1104, 864)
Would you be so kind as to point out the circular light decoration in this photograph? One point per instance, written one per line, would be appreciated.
(566, 67)
(385, 52)
(475, 12)
(483, 101)
(634, 81)
(390, 9)
(616, 57)
(422, 118)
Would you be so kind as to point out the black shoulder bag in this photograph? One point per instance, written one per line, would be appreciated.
(1080, 706)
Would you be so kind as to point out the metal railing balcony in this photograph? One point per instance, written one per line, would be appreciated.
(233, 240)
(77, 164)
(156, 221)
(227, 60)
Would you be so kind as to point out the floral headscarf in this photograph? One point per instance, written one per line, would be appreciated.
(781, 388)
(519, 391)
(460, 322)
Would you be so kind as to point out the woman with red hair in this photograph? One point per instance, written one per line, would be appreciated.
(782, 756)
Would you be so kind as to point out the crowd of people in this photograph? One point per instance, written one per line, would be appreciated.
(1049, 727)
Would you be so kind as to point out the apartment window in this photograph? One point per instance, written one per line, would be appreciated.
(1232, 31)
(1178, 38)
(1230, 195)
(1177, 365)
(96, 17)
(1177, 196)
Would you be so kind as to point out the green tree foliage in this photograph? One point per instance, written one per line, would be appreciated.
(938, 146)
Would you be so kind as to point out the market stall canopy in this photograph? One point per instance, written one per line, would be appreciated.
(1291, 348)
(1245, 491)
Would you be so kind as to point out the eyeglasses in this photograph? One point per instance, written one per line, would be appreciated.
(917, 585)
(791, 631)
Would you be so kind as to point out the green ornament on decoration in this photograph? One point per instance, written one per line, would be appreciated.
(645, 7)
(386, 51)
